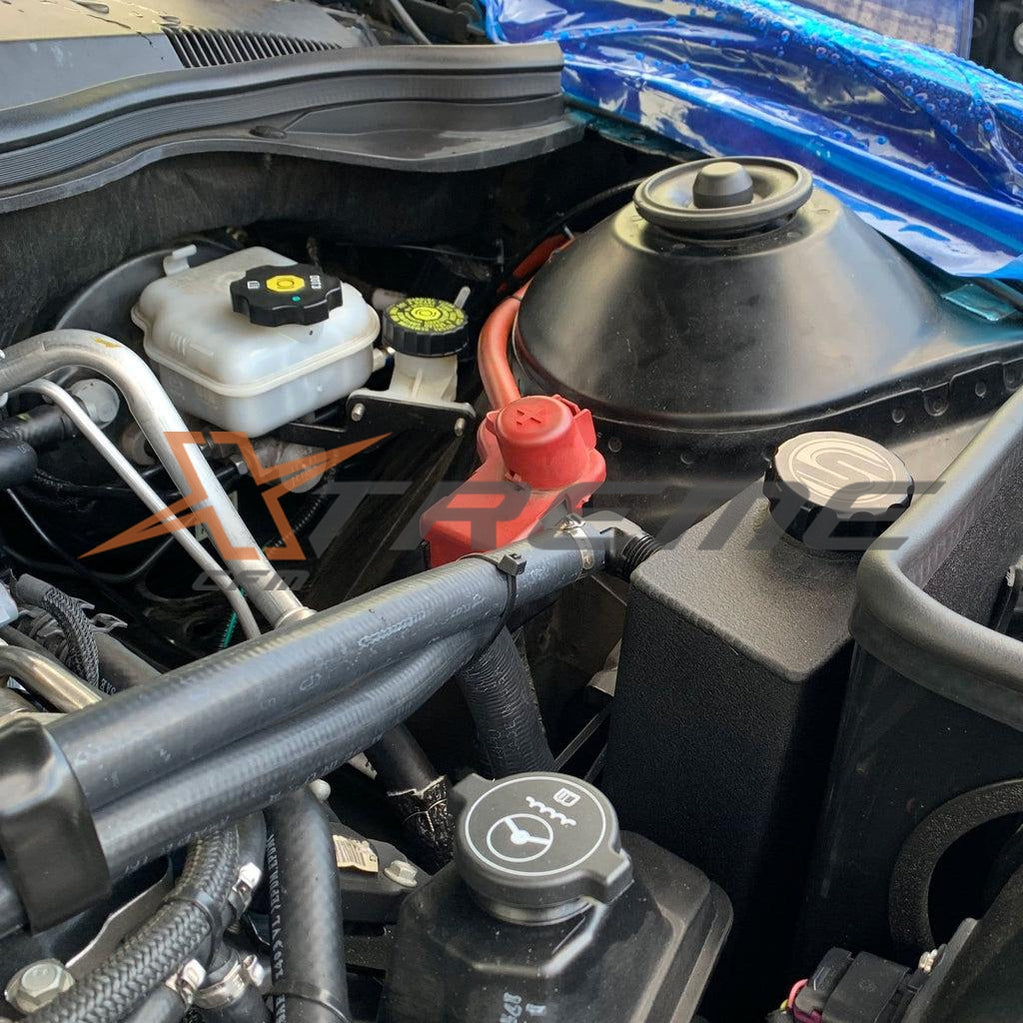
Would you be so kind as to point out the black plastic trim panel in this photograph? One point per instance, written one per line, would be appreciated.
(439, 108)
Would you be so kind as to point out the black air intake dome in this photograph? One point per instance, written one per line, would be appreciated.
(732, 305)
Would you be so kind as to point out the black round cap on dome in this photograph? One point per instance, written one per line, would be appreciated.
(536, 847)
(827, 487)
(427, 327)
(272, 296)
(722, 184)
(723, 198)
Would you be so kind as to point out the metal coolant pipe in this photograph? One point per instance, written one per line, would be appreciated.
(47, 678)
(157, 417)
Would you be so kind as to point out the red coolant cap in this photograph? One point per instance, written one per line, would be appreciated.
(545, 442)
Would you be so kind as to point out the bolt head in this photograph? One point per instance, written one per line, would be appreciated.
(99, 398)
(402, 873)
(38, 984)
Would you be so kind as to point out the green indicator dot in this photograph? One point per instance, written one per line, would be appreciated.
(296, 298)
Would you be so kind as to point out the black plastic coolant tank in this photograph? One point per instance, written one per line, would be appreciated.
(729, 306)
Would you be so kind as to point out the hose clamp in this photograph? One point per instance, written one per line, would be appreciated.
(243, 974)
(187, 981)
(575, 527)
(249, 876)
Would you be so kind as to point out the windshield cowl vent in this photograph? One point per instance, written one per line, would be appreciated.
(201, 47)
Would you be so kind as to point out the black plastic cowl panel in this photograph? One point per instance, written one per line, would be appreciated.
(61, 47)
(316, 91)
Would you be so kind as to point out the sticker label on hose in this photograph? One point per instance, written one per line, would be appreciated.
(355, 854)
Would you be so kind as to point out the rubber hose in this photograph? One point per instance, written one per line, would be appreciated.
(164, 1005)
(156, 951)
(82, 655)
(417, 793)
(252, 840)
(400, 762)
(18, 463)
(498, 688)
(15, 637)
(306, 937)
(120, 667)
(248, 775)
(244, 1006)
(202, 707)
(43, 427)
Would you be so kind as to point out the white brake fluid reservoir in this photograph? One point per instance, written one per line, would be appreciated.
(238, 375)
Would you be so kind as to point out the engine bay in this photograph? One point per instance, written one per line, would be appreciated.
(458, 567)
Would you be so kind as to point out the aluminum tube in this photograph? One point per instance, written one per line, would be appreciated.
(47, 678)
(158, 419)
(149, 497)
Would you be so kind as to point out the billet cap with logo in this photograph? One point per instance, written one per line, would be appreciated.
(426, 327)
(272, 296)
(538, 847)
(829, 485)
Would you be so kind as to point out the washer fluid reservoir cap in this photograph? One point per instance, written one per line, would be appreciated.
(723, 198)
(272, 296)
(840, 484)
(535, 847)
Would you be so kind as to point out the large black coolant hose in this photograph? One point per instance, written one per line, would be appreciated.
(193, 711)
(307, 940)
(498, 688)
(247, 775)
(178, 930)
